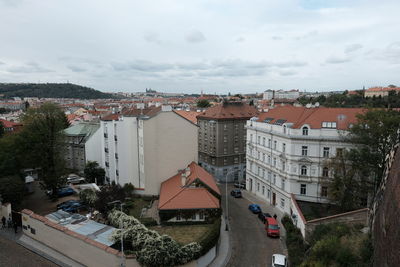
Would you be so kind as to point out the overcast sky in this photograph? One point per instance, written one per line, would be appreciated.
(211, 45)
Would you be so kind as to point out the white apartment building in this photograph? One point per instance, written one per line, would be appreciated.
(146, 146)
(287, 151)
(281, 94)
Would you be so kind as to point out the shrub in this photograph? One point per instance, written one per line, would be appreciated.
(294, 242)
(211, 238)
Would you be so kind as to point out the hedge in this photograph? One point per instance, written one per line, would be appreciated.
(211, 238)
(294, 242)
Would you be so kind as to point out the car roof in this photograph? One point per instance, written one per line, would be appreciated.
(271, 221)
(279, 259)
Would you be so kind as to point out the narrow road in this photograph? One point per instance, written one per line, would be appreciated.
(250, 244)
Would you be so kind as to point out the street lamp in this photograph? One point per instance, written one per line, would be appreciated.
(226, 198)
(122, 234)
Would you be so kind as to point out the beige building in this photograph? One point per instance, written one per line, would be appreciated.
(380, 91)
(146, 146)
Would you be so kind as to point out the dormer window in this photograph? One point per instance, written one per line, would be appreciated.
(327, 124)
(305, 130)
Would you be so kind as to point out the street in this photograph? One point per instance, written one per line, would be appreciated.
(250, 244)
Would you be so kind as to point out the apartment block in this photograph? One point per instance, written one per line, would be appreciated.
(288, 148)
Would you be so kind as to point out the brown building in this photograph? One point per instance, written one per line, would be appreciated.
(222, 139)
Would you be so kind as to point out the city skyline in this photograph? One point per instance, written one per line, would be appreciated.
(189, 47)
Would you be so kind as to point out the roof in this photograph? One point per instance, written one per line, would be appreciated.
(9, 124)
(84, 128)
(314, 117)
(382, 89)
(133, 112)
(175, 196)
(189, 115)
(229, 110)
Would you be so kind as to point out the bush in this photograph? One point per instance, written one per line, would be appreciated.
(294, 242)
(211, 239)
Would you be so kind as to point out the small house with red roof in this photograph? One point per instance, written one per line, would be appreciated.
(190, 195)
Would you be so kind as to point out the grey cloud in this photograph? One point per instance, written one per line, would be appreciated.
(195, 36)
(76, 68)
(240, 39)
(193, 66)
(276, 38)
(352, 48)
(306, 35)
(30, 67)
(11, 3)
(287, 73)
(141, 65)
(2, 63)
(289, 64)
(390, 54)
(337, 60)
(152, 37)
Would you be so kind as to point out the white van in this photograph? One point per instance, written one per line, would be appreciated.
(279, 260)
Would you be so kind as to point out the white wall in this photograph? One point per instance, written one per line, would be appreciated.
(93, 147)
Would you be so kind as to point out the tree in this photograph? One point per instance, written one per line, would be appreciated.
(88, 196)
(203, 103)
(251, 102)
(42, 143)
(12, 190)
(94, 173)
(1, 129)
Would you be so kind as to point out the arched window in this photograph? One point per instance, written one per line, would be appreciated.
(305, 130)
(325, 172)
(303, 170)
(284, 129)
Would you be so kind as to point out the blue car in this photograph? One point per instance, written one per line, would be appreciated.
(66, 191)
(74, 207)
(66, 204)
(254, 208)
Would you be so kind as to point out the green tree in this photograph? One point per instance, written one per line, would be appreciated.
(1, 129)
(94, 173)
(12, 190)
(42, 143)
(251, 102)
(203, 103)
(88, 196)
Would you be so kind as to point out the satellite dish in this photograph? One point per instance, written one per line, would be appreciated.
(317, 104)
(308, 105)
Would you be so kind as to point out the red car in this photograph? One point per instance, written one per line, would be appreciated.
(272, 227)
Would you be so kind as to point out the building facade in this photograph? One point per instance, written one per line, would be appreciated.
(380, 91)
(287, 152)
(82, 143)
(146, 146)
(222, 139)
(281, 94)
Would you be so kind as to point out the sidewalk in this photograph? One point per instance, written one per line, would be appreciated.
(223, 248)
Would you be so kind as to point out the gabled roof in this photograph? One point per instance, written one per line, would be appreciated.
(9, 124)
(229, 110)
(175, 196)
(314, 117)
(189, 115)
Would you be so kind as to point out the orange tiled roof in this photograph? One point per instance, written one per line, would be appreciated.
(175, 196)
(9, 124)
(382, 89)
(189, 115)
(229, 110)
(312, 116)
(110, 117)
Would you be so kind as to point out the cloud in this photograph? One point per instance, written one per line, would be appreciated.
(30, 67)
(287, 72)
(337, 59)
(276, 38)
(76, 68)
(289, 64)
(352, 48)
(195, 36)
(141, 65)
(240, 39)
(2, 63)
(11, 3)
(152, 37)
(391, 53)
(306, 35)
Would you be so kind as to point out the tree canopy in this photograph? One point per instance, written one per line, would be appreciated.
(94, 173)
(203, 103)
(1, 129)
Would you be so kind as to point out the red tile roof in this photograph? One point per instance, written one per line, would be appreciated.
(189, 115)
(175, 196)
(382, 89)
(110, 117)
(229, 110)
(312, 116)
(10, 124)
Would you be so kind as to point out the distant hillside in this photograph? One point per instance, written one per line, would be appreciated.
(50, 90)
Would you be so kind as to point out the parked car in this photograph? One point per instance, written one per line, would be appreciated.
(67, 203)
(279, 260)
(236, 193)
(241, 185)
(66, 191)
(254, 208)
(74, 179)
(263, 216)
(272, 227)
(74, 207)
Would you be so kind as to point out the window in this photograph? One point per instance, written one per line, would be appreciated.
(258, 155)
(178, 217)
(274, 162)
(194, 216)
(305, 130)
(324, 191)
(326, 152)
(263, 157)
(304, 150)
(283, 184)
(283, 165)
(303, 170)
(236, 160)
(274, 178)
(327, 124)
(325, 172)
(269, 142)
(275, 144)
(283, 147)
(263, 143)
(201, 215)
(282, 202)
(263, 190)
(303, 189)
(269, 159)
(258, 187)
(339, 152)
(258, 171)
(269, 176)
(284, 129)
(225, 171)
(259, 140)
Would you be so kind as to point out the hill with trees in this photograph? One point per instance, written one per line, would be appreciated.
(50, 90)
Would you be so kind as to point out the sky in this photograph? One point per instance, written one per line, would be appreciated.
(214, 46)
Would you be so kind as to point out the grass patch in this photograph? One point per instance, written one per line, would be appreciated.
(184, 234)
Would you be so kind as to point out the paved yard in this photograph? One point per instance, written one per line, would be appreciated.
(13, 254)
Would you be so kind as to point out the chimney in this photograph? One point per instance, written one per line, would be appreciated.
(183, 179)
(187, 172)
